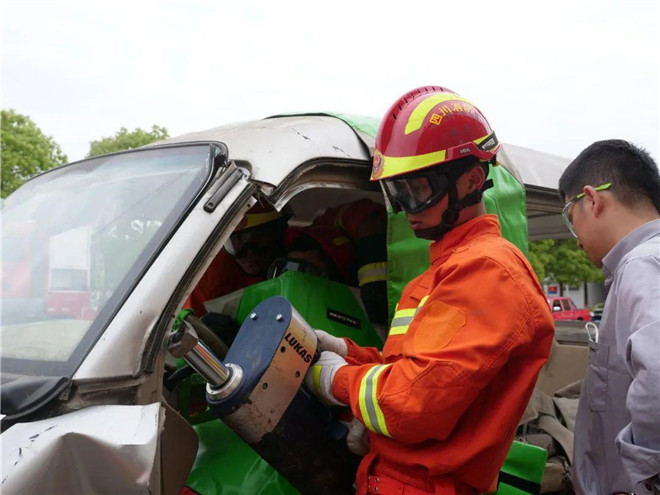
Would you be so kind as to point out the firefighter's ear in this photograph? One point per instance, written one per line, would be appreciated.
(474, 179)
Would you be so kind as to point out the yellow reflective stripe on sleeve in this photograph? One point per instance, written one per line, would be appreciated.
(419, 114)
(373, 272)
(382, 425)
(401, 321)
(316, 376)
(372, 414)
(316, 381)
(402, 313)
(400, 330)
(404, 317)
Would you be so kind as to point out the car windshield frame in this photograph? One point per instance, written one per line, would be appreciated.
(170, 223)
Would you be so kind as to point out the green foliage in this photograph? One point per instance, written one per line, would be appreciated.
(537, 265)
(25, 151)
(564, 261)
(125, 140)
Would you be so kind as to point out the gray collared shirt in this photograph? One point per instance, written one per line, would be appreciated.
(617, 431)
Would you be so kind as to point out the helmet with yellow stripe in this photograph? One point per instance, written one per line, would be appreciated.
(427, 140)
(258, 216)
(429, 126)
(261, 229)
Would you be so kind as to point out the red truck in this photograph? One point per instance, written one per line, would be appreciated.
(563, 308)
(46, 276)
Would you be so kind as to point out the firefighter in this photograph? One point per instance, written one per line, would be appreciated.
(244, 260)
(365, 223)
(319, 250)
(442, 402)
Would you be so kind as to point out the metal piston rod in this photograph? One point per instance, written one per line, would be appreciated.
(185, 344)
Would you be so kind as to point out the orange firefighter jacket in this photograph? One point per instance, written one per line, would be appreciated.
(222, 277)
(465, 346)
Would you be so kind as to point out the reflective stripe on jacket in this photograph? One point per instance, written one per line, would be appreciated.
(467, 341)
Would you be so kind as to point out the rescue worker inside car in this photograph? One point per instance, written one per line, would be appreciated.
(264, 236)
(442, 402)
(320, 250)
(253, 246)
(261, 240)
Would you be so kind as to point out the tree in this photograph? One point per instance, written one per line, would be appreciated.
(25, 151)
(125, 140)
(537, 265)
(564, 261)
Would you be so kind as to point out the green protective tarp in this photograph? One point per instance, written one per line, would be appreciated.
(227, 465)
(361, 123)
(408, 256)
(324, 304)
(525, 465)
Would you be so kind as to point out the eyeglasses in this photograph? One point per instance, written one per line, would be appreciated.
(565, 213)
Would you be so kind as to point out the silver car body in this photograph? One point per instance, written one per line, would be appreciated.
(116, 395)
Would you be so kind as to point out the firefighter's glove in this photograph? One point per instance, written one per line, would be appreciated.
(321, 374)
(328, 342)
(357, 439)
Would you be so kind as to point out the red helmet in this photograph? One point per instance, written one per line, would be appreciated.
(428, 126)
(333, 242)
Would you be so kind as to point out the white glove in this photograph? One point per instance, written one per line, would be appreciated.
(357, 439)
(320, 375)
(331, 343)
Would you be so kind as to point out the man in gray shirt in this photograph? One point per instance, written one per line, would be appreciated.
(613, 194)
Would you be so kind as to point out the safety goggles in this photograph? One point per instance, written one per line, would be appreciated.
(417, 192)
(259, 241)
(282, 265)
(566, 211)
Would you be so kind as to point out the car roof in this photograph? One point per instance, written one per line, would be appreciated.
(275, 147)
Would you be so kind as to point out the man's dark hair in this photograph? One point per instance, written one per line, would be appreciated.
(459, 166)
(630, 169)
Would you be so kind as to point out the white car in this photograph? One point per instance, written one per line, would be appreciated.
(105, 251)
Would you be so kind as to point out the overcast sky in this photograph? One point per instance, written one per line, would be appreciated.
(553, 78)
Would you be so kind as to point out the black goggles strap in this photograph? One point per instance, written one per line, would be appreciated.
(454, 207)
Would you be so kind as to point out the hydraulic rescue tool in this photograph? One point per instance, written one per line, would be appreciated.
(258, 393)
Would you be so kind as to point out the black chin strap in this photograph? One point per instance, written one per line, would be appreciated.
(450, 216)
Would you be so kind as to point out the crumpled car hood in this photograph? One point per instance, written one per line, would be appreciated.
(100, 449)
